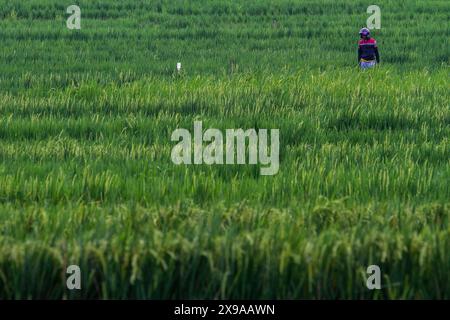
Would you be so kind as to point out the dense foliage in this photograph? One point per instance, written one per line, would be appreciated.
(86, 176)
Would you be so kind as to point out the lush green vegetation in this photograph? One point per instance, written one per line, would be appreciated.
(86, 176)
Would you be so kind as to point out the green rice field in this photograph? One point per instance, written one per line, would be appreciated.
(86, 176)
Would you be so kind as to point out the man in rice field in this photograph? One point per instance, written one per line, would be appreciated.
(368, 55)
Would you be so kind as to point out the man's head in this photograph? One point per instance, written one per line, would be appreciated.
(364, 33)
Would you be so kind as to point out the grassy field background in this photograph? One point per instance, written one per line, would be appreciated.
(86, 176)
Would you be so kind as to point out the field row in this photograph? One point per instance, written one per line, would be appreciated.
(186, 252)
(215, 37)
